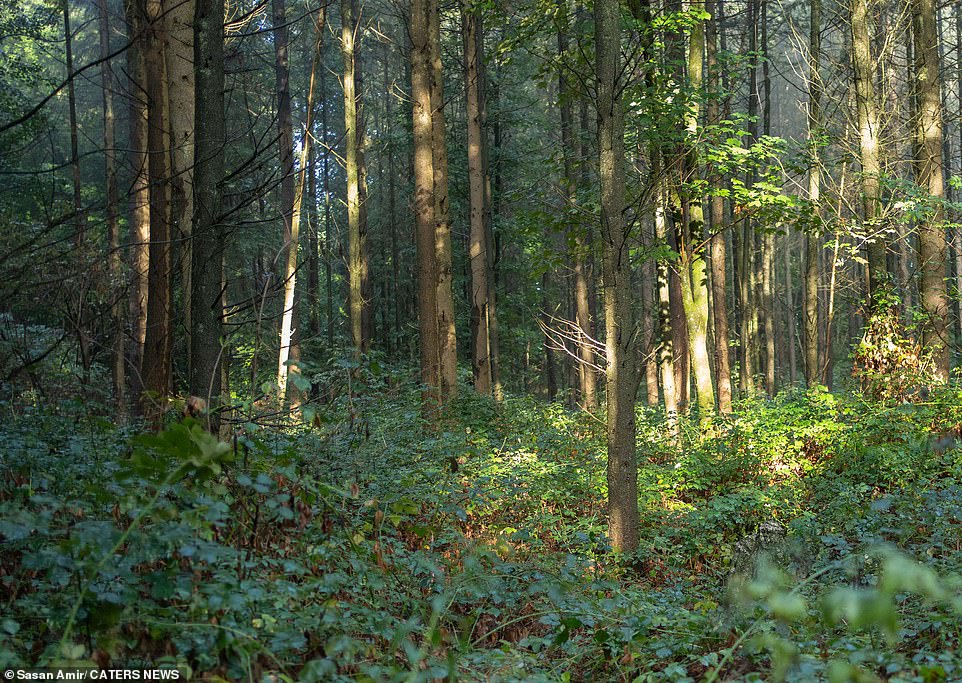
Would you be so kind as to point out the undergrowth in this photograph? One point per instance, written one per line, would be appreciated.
(813, 537)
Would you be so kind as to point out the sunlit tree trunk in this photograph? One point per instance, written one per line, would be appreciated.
(932, 243)
(207, 233)
(810, 276)
(693, 272)
(717, 244)
(447, 337)
(424, 205)
(868, 132)
(768, 237)
(622, 372)
(666, 337)
(478, 248)
(358, 266)
(139, 201)
(747, 262)
(285, 142)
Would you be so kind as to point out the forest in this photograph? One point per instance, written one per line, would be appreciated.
(477, 340)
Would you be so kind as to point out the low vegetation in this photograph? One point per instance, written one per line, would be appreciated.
(812, 537)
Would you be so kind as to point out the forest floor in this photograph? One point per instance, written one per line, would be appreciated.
(813, 537)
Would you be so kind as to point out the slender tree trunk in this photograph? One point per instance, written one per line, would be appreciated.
(932, 243)
(868, 125)
(587, 379)
(958, 230)
(158, 340)
(139, 202)
(693, 272)
(478, 250)
(622, 373)
(768, 238)
(207, 233)
(717, 244)
(447, 337)
(810, 277)
(424, 205)
(79, 222)
(114, 266)
(313, 246)
(666, 354)
(357, 240)
(328, 232)
(285, 141)
(179, 58)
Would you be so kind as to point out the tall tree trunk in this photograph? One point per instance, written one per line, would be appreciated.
(958, 230)
(932, 244)
(179, 57)
(622, 373)
(358, 265)
(447, 336)
(810, 277)
(666, 337)
(285, 141)
(313, 246)
(717, 245)
(114, 268)
(424, 205)
(473, 36)
(328, 223)
(587, 379)
(207, 233)
(868, 125)
(139, 202)
(158, 340)
(768, 238)
(693, 272)
(79, 222)
(748, 299)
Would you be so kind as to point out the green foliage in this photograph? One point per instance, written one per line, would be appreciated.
(365, 546)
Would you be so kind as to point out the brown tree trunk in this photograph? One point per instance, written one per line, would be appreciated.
(358, 265)
(868, 131)
(139, 202)
(932, 243)
(159, 333)
(179, 58)
(447, 336)
(207, 232)
(114, 268)
(622, 372)
(473, 36)
(717, 245)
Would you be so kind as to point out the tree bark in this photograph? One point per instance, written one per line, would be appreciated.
(114, 267)
(285, 142)
(473, 37)
(139, 202)
(358, 265)
(622, 373)
(207, 233)
(693, 272)
(932, 242)
(158, 340)
(447, 336)
(868, 131)
(179, 58)
(717, 245)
